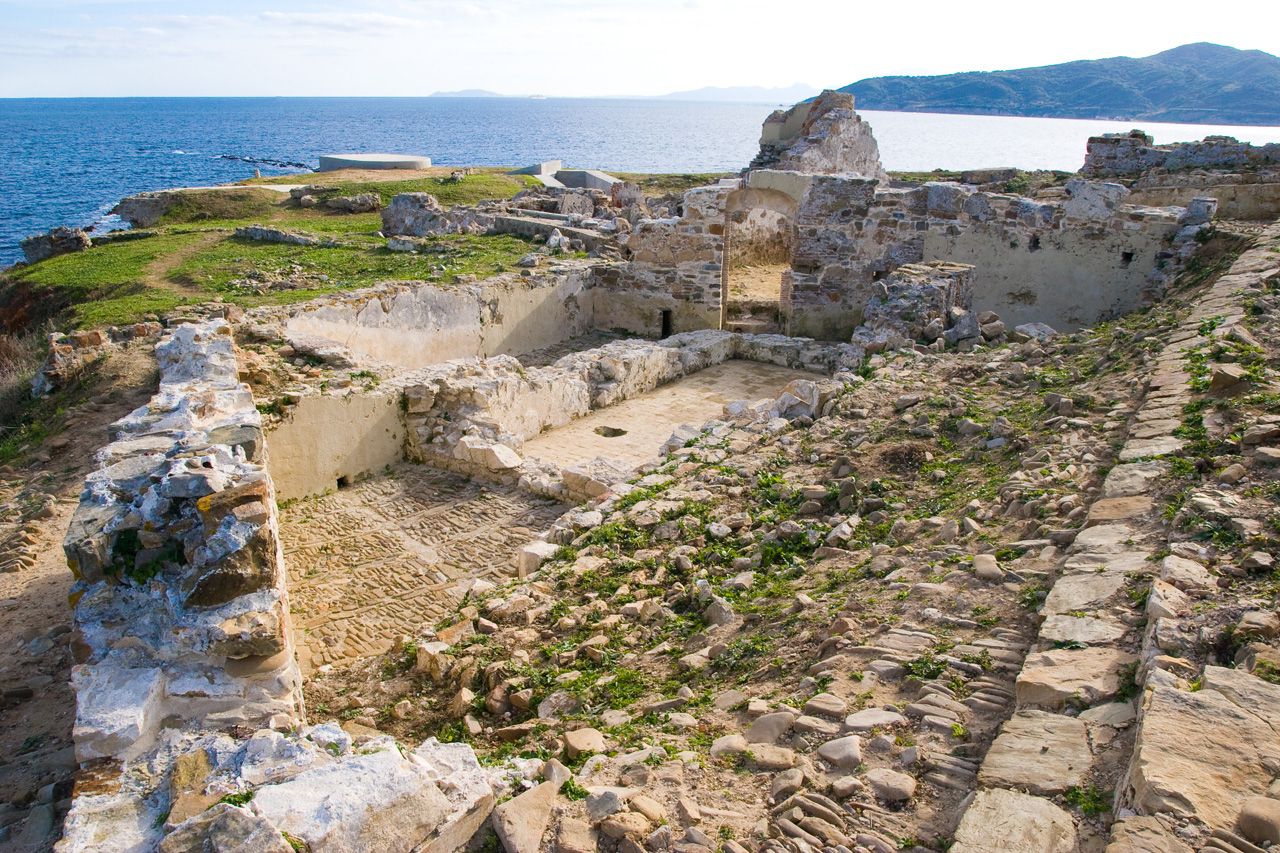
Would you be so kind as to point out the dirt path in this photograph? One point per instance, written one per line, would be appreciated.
(157, 272)
(38, 495)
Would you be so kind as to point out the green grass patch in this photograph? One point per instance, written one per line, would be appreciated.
(1091, 800)
(241, 203)
(230, 260)
(104, 286)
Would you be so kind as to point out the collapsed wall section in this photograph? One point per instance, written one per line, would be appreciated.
(672, 277)
(1245, 179)
(1128, 155)
(822, 136)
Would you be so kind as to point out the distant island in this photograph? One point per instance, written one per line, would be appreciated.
(749, 94)
(467, 93)
(1193, 84)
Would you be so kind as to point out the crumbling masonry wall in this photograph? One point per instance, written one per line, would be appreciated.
(1128, 155)
(1068, 263)
(824, 136)
(674, 270)
(472, 416)
(181, 612)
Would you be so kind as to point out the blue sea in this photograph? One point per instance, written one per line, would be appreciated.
(68, 161)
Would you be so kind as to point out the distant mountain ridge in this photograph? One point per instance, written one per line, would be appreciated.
(749, 94)
(1193, 84)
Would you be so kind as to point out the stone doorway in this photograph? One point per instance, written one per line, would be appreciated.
(759, 234)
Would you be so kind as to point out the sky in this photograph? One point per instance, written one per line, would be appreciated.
(580, 48)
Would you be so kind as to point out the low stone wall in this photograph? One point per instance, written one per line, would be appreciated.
(179, 591)
(473, 416)
(1254, 201)
(266, 234)
(1127, 155)
(181, 614)
(418, 324)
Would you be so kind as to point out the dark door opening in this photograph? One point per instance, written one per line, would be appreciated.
(666, 324)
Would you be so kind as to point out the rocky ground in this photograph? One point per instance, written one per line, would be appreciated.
(817, 632)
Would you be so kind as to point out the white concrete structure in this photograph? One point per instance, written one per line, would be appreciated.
(333, 162)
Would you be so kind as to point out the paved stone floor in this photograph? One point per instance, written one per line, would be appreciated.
(650, 418)
(382, 558)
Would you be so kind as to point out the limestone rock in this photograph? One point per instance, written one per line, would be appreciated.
(1200, 754)
(521, 822)
(872, 718)
(1186, 575)
(826, 705)
(378, 801)
(225, 829)
(1259, 820)
(117, 708)
(59, 241)
(583, 741)
(891, 785)
(1038, 752)
(845, 752)
(1000, 821)
(1050, 679)
(574, 836)
(1144, 834)
(770, 727)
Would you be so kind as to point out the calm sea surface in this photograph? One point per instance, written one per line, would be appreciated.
(67, 162)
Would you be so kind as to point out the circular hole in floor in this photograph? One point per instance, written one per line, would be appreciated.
(609, 432)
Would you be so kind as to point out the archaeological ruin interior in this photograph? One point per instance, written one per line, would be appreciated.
(809, 510)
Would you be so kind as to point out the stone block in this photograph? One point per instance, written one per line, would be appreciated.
(1000, 821)
(117, 708)
(1051, 679)
(380, 801)
(1038, 752)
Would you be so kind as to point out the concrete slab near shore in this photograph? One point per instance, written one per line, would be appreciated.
(334, 162)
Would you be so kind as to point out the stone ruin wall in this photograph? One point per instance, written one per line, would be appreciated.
(673, 266)
(1066, 263)
(1245, 179)
(416, 324)
(824, 136)
(181, 612)
(1129, 155)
